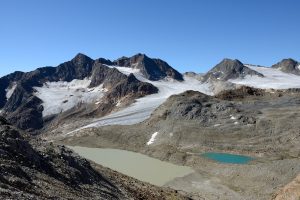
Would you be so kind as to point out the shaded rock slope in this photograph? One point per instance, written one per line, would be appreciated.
(40, 170)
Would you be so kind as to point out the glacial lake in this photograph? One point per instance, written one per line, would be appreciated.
(227, 158)
(133, 164)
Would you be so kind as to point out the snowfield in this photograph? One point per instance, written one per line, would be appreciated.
(274, 79)
(143, 107)
(61, 96)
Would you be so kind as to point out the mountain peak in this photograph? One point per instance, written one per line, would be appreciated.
(153, 69)
(229, 69)
(229, 61)
(80, 57)
(288, 65)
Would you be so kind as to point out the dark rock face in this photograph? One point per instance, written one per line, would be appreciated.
(229, 69)
(28, 116)
(44, 171)
(102, 74)
(288, 65)
(133, 87)
(153, 69)
(5, 82)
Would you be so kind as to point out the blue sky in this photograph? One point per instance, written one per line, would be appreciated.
(191, 35)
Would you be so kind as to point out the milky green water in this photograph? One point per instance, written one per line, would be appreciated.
(136, 165)
(228, 158)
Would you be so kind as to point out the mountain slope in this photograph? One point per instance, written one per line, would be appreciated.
(32, 96)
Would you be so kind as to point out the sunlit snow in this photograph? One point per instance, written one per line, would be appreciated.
(274, 78)
(60, 96)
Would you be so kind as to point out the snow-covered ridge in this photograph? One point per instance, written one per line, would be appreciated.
(273, 79)
(61, 96)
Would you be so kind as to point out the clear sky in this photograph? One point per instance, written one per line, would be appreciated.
(191, 35)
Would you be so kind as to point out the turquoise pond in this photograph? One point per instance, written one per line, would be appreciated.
(227, 158)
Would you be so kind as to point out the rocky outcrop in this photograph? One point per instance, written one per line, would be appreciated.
(153, 69)
(192, 105)
(229, 69)
(200, 108)
(288, 65)
(240, 93)
(133, 87)
(107, 76)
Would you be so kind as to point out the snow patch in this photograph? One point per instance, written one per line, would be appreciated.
(232, 117)
(152, 139)
(236, 123)
(9, 91)
(61, 96)
(273, 78)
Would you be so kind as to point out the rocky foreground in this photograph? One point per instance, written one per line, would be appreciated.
(39, 170)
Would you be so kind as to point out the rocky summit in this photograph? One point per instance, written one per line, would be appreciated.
(288, 65)
(143, 105)
(230, 69)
